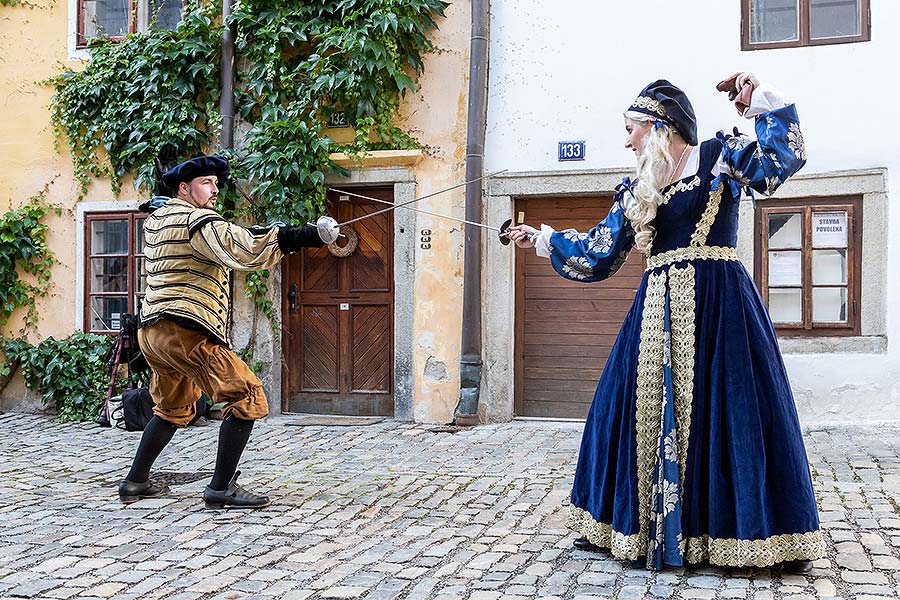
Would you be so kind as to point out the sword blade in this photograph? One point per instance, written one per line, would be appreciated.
(404, 205)
(395, 205)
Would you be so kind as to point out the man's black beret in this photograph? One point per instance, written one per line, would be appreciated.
(197, 167)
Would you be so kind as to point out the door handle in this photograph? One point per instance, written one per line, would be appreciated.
(292, 299)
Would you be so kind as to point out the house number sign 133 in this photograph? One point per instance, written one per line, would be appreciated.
(426, 239)
(571, 150)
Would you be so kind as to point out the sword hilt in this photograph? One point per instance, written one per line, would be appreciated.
(503, 234)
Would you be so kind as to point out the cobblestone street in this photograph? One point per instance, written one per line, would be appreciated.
(391, 510)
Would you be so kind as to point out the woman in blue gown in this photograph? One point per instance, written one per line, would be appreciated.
(692, 450)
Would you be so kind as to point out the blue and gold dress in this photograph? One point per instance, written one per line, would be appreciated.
(692, 450)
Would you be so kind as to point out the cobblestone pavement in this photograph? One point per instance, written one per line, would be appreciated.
(392, 510)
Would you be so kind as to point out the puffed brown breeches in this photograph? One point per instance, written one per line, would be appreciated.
(186, 361)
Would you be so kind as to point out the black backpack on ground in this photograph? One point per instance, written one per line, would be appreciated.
(135, 409)
(124, 351)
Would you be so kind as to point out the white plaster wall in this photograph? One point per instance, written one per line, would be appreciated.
(567, 69)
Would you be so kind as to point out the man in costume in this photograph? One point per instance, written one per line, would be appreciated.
(190, 252)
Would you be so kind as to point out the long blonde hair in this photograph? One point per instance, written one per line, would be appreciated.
(654, 167)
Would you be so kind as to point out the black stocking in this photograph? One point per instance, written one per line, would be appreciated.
(156, 435)
(233, 436)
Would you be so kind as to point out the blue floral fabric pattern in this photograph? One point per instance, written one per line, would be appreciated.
(777, 153)
(664, 541)
(599, 253)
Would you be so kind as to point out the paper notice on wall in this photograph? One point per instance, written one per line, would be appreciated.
(784, 269)
(829, 230)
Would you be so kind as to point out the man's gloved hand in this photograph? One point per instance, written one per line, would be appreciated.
(291, 238)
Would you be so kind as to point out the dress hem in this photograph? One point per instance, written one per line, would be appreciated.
(723, 552)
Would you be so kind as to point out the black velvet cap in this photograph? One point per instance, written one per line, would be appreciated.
(197, 167)
(665, 101)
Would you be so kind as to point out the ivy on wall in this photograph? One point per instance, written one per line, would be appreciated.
(25, 260)
(296, 63)
(69, 374)
(135, 96)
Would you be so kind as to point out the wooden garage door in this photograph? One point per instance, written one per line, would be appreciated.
(565, 329)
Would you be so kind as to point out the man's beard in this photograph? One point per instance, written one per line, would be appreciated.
(210, 202)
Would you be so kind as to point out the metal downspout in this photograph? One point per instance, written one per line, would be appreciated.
(226, 98)
(226, 109)
(470, 360)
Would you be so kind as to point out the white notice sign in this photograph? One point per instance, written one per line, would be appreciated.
(784, 269)
(829, 230)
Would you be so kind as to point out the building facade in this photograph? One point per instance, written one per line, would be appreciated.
(820, 249)
(378, 331)
(352, 337)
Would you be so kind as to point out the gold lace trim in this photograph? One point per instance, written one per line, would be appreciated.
(698, 238)
(726, 552)
(681, 296)
(681, 186)
(603, 535)
(649, 394)
(691, 253)
(649, 104)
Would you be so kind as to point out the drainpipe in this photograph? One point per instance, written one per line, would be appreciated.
(470, 361)
(226, 109)
(226, 98)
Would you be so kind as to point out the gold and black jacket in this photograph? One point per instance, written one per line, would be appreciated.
(190, 253)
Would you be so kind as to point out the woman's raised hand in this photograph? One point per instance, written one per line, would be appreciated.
(523, 235)
(743, 78)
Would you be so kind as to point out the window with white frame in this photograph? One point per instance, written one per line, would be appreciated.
(114, 19)
(115, 269)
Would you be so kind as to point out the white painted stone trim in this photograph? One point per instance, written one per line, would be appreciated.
(871, 184)
(72, 35)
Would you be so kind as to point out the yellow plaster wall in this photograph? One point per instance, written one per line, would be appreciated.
(436, 114)
(33, 47)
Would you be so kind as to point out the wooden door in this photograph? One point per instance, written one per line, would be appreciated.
(338, 318)
(565, 329)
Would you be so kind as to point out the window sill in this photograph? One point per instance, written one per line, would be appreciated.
(868, 344)
(379, 158)
(80, 55)
(832, 41)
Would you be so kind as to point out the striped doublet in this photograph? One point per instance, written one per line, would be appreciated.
(190, 253)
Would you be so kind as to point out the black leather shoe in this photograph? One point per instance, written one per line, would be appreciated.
(796, 567)
(583, 543)
(129, 491)
(233, 497)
